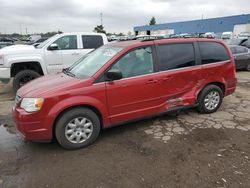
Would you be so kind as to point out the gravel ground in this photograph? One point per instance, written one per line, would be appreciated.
(178, 150)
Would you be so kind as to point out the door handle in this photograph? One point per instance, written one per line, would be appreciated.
(151, 81)
(75, 53)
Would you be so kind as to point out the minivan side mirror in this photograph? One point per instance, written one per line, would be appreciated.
(113, 74)
(53, 46)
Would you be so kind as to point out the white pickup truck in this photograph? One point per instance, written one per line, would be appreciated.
(26, 62)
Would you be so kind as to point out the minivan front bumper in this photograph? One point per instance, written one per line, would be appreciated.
(31, 127)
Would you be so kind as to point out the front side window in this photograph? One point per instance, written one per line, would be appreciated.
(135, 63)
(67, 42)
(92, 41)
(88, 65)
(174, 56)
(212, 52)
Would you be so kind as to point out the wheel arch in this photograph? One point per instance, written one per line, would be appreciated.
(221, 85)
(88, 106)
(32, 65)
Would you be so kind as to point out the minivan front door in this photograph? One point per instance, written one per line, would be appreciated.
(136, 94)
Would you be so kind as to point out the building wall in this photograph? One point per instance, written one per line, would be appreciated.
(217, 25)
(241, 28)
(162, 32)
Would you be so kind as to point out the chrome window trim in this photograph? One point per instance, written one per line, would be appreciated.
(160, 72)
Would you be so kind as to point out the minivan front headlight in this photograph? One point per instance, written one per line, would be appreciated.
(32, 104)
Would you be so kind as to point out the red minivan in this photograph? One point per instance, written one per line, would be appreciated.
(124, 81)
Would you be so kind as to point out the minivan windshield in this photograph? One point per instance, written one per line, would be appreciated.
(89, 64)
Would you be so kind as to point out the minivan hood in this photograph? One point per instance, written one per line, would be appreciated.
(49, 85)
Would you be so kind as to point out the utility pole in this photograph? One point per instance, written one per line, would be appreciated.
(101, 18)
(20, 25)
(26, 30)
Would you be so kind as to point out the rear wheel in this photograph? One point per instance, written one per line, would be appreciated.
(77, 128)
(210, 99)
(23, 77)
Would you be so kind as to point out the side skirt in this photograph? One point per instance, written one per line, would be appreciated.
(175, 109)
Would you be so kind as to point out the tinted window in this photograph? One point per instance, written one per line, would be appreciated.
(173, 56)
(67, 42)
(240, 49)
(135, 63)
(92, 41)
(212, 52)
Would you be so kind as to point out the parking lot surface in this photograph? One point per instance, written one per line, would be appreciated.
(186, 149)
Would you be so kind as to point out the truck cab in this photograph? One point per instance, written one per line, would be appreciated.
(26, 62)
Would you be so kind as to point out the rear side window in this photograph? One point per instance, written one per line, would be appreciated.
(92, 41)
(212, 52)
(174, 56)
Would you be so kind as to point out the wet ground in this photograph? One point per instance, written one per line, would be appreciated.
(182, 150)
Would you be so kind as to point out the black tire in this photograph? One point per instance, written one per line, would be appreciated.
(70, 115)
(24, 77)
(202, 96)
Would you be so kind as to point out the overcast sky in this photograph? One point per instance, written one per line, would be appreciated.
(118, 15)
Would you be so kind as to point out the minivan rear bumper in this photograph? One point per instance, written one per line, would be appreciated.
(231, 87)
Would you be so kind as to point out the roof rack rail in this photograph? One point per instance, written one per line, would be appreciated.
(143, 38)
(150, 38)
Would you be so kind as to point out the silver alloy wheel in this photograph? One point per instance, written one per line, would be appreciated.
(78, 130)
(212, 100)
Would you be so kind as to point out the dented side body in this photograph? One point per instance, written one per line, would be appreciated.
(127, 99)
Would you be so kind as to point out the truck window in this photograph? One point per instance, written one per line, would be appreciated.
(212, 52)
(174, 56)
(91, 41)
(67, 42)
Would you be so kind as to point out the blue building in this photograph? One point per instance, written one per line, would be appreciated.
(216, 25)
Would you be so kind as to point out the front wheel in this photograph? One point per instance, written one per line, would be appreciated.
(77, 128)
(23, 77)
(210, 99)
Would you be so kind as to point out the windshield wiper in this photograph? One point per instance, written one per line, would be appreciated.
(66, 71)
